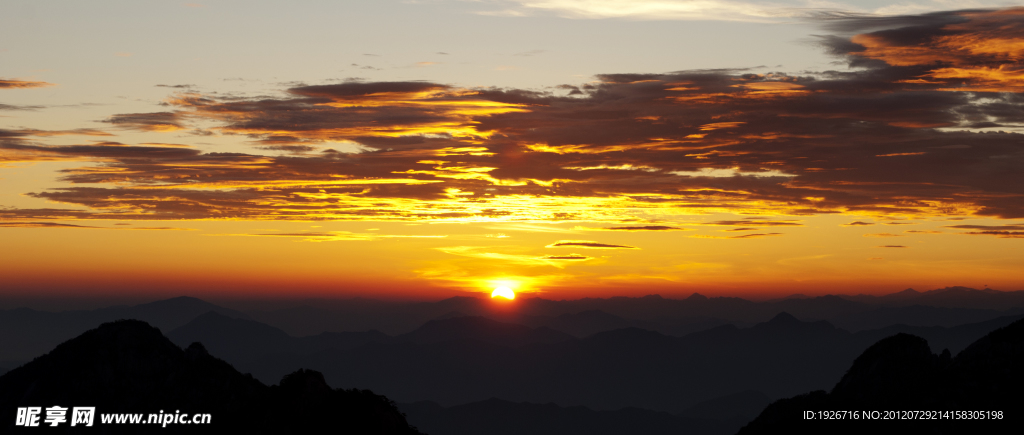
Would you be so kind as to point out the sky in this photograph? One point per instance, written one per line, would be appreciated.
(561, 148)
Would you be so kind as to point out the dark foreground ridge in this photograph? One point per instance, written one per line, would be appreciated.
(129, 367)
(900, 373)
(502, 417)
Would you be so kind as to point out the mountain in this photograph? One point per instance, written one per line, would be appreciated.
(918, 315)
(955, 338)
(742, 407)
(315, 316)
(27, 333)
(459, 360)
(949, 297)
(502, 417)
(584, 317)
(129, 367)
(482, 329)
(240, 340)
(900, 373)
(609, 370)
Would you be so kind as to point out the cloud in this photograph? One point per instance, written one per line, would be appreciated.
(479, 252)
(883, 235)
(46, 133)
(335, 236)
(756, 223)
(61, 225)
(22, 84)
(586, 244)
(970, 50)
(615, 151)
(635, 228)
(744, 236)
(756, 235)
(857, 223)
(144, 155)
(570, 257)
(1007, 227)
(650, 9)
(1009, 231)
(892, 246)
(157, 121)
(19, 107)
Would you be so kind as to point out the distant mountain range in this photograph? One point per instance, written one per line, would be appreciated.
(460, 360)
(471, 374)
(129, 367)
(26, 333)
(583, 317)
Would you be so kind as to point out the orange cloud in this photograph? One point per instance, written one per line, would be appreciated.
(22, 84)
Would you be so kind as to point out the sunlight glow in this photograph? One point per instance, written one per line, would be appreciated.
(504, 292)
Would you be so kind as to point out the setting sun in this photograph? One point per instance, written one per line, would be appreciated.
(504, 292)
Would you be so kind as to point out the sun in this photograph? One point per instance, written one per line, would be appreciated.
(504, 292)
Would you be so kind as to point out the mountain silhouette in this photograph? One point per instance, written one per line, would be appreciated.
(240, 341)
(628, 367)
(900, 373)
(586, 323)
(781, 357)
(27, 333)
(129, 367)
(482, 329)
(942, 307)
(742, 407)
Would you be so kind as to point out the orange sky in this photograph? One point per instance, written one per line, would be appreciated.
(902, 170)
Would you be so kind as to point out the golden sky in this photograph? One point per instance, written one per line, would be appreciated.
(899, 167)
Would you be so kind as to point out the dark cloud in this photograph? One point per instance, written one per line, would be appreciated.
(44, 133)
(586, 244)
(1009, 231)
(1007, 227)
(297, 149)
(892, 246)
(22, 84)
(123, 155)
(19, 107)
(156, 121)
(60, 225)
(1000, 234)
(756, 235)
(757, 223)
(857, 223)
(895, 137)
(41, 225)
